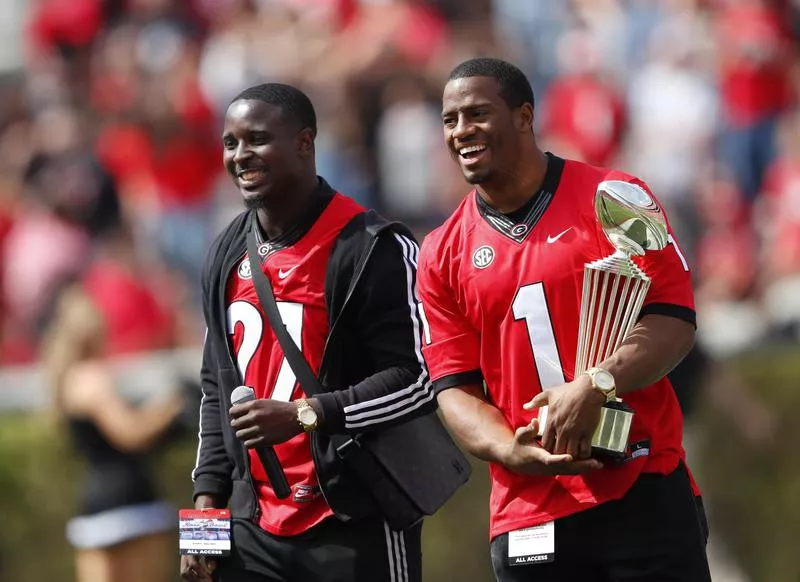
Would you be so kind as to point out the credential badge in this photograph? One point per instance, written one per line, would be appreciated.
(483, 257)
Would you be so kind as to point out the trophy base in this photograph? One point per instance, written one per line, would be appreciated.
(610, 439)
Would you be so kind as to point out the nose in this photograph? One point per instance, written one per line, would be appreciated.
(241, 153)
(463, 128)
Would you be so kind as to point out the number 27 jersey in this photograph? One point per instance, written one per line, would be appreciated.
(502, 305)
(297, 272)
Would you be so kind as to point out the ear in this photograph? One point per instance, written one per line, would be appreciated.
(305, 142)
(525, 117)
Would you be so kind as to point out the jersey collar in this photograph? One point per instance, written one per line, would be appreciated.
(518, 224)
(321, 198)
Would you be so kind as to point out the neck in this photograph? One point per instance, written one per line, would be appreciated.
(280, 216)
(510, 192)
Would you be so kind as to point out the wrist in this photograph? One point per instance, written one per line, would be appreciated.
(204, 501)
(307, 414)
(601, 382)
(592, 394)
(319, 409)
(501, 452)
(330, 412)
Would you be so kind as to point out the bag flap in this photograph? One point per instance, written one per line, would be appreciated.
(422, 458)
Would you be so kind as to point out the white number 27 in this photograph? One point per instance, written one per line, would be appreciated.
(250, 317)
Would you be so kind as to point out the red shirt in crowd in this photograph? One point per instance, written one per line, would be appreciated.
(586, 115)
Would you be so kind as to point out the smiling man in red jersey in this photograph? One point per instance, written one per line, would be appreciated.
(343, 279)
(500, 284)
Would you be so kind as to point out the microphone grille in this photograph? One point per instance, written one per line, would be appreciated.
(242, 394)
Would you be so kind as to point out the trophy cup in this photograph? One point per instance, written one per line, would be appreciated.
(614, 289)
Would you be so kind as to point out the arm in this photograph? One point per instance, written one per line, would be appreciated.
(654, 347)
(385, 317)
(212, 473)
(665, 331)
(661, 338)
(200, 568)
(482, 431)
(211, 476)
(90, 392)
(452, 350)
(388, 324)
(478, 426)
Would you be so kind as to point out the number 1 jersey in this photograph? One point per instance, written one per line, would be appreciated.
(502, 303)
(296, 270)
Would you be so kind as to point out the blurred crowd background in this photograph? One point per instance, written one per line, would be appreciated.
(110, 157)
(110, 119)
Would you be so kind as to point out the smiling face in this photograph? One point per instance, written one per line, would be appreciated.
(483, 134)
(265, 151)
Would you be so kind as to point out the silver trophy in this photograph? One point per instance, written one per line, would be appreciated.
(614, 289)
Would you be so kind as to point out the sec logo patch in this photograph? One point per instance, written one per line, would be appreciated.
(483, 257)
(244, 269)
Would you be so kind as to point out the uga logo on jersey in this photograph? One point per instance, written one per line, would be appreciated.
(244, 269)
(483, 257)
(519, 229)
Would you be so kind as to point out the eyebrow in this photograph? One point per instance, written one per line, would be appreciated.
(468, 107)
(249, 132)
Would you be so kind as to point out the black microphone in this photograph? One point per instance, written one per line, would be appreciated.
(267, 456)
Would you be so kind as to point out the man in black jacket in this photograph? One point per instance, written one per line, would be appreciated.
(344, 283)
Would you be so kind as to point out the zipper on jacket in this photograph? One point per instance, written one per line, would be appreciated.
(255, 514)
(321, 486)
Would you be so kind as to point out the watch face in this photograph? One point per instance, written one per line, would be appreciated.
(308, 416)
(604, 380)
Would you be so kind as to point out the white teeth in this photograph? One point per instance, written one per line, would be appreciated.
(471, 149)
(248, 175)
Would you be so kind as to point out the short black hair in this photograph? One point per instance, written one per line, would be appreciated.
(291, 100)
(515, 89)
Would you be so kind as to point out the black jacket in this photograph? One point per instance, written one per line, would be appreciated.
(371, 365)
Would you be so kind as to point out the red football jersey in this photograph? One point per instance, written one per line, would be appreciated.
(502, 302)
(297, 274)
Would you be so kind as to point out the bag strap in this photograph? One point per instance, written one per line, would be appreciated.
(266, 296)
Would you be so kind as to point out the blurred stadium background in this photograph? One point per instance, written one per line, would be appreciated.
(110, 175)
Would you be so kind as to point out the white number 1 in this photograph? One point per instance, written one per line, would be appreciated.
(671, 240)
(250, 318)
(530, 304)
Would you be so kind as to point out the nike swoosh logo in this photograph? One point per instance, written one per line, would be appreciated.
(283, 274)
(552, 239)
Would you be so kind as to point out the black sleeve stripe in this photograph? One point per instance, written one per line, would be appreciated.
(671, 310)
(457, 379)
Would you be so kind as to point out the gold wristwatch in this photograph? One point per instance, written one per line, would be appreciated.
(306, 415)
(603, 381)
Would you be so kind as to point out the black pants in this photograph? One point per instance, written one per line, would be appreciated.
(656, 533)
(333, 551)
